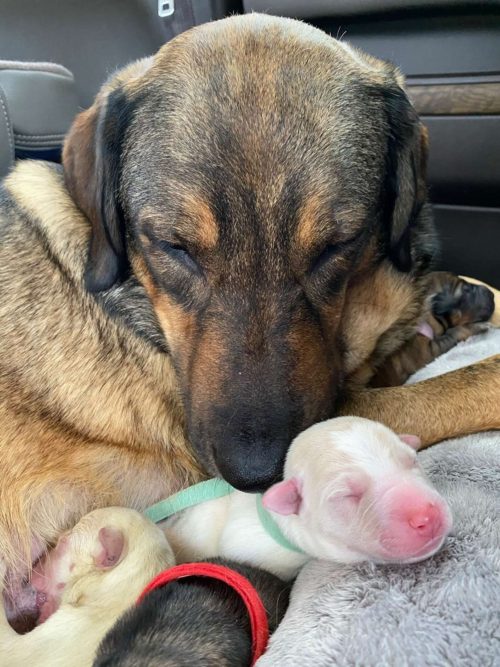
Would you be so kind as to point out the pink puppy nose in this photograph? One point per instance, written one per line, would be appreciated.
(427, 520)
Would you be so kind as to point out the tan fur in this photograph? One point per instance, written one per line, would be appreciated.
(100, 450)
(178, 327)
(204, 231)
(463, 317)
(381, 310)
(314, 227)
(197, 226)
(448, 406)
(306, 228)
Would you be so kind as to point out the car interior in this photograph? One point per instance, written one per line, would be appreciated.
(55, 55)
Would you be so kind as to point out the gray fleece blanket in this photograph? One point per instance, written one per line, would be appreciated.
(443, 611)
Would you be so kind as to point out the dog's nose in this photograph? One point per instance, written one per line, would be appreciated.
(426, 521)
(252, 468)
(250, 445)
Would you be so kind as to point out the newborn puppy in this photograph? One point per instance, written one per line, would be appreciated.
(193, 621)
(95, 572)
(456, 309)
(454, 301)
(353, 491)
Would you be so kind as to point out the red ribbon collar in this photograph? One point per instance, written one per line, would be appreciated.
(253, 603)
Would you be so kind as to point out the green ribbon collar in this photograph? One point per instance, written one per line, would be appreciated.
(210, 490)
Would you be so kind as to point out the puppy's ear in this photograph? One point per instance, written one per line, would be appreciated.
(112, 547)
(404, 187)
(92, 158)
(412, 440)
(283, 497)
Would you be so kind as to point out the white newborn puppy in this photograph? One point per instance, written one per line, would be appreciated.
(96, 571)
(353, 491)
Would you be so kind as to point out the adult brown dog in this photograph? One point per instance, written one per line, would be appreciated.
(240, 233)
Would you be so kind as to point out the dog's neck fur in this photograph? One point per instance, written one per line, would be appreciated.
(40, 190)
(130, 417)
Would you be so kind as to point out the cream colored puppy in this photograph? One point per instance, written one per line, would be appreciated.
(353, 490)
(96, 571)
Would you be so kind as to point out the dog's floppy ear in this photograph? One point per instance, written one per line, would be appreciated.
(91, 160)
(404, 187)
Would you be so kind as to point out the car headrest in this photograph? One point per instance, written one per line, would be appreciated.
(41, 102)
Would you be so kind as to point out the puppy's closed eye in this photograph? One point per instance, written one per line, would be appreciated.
(350, 488)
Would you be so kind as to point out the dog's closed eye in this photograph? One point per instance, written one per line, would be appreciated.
(324, 257)
(332, 251)
(174, 250)
(179, 254)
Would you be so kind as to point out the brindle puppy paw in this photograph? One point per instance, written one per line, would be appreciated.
(462, 332)
(455, 335)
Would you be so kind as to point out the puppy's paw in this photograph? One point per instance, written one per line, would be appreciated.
(465, 331)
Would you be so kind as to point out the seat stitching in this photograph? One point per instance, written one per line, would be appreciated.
(9, 127)
(39, 136)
